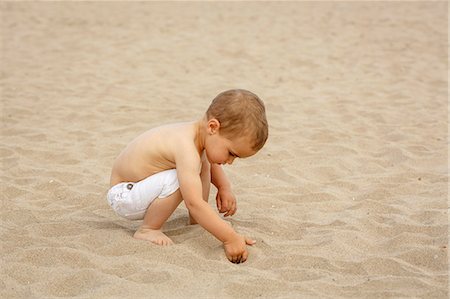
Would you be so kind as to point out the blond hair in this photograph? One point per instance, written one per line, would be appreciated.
(240, 113)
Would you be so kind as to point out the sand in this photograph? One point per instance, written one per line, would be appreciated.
(348, 199)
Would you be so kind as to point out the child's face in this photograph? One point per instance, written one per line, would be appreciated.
(221, 150)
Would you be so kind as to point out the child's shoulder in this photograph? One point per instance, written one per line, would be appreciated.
(176, 128)
(176, 132)
(178, 140)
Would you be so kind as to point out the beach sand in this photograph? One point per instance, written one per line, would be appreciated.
(347, 199)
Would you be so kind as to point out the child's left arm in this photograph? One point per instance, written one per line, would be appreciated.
(225, 199)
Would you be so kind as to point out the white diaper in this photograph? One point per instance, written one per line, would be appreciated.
(131, 200)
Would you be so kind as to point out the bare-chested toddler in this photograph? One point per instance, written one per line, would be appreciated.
(177, 162)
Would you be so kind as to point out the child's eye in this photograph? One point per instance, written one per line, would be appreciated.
(231, 154)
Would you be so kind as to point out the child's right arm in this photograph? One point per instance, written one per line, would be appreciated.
(191, 190)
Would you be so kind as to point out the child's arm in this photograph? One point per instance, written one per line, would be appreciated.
(218, 177)
(225, 199)
(187, 164)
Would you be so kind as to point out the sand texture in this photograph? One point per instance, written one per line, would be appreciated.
(348, 199)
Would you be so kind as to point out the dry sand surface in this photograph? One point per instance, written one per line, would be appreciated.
(347, 199)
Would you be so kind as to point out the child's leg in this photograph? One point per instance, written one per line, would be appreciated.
(157, 214)
(205, 176)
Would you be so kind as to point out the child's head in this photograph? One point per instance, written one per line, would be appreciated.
(240, 113)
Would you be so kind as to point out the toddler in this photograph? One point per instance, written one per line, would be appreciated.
(177, 162)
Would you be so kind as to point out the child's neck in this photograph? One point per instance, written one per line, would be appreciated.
(200, 134)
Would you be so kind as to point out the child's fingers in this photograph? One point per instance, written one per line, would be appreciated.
(244, 256)
(229, 257)
(228, 213)
(235, 259)
(218, 202)
(224, 205)
(250, 242)
(231, 211)
(241, 258)
(221, 206)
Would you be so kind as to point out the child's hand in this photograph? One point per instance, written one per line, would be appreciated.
(236, 249)
(226, 202)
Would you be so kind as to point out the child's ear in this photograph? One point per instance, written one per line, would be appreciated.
(213, 126)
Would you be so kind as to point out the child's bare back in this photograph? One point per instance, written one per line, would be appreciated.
(178, 162)
(152, 152)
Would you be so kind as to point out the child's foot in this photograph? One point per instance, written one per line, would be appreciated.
(153, 235)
